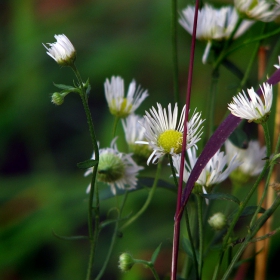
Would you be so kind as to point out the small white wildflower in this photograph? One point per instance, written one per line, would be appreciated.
(277, 66)
(62, 51)
(252, 109)
(116, 169)
(164, 133)
(216, 170)
(251, 158)
(135, 132)
(262, 10)
(213, 24)
(119, 105)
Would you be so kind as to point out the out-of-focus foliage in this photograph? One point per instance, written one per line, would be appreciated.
(41, 189)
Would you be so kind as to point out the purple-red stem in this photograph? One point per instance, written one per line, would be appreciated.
(178, 214)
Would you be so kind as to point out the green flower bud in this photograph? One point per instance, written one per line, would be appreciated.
(218, 221)
(126, 262)
(57, 98)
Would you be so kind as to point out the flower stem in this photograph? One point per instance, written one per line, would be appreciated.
(147, 202)
(200, 229)
(236, 217)
(113, 241)
(178, 214)
(93, 233)
(115, 126)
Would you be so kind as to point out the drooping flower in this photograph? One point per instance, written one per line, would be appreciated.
(216, 170)
(251, 158)
(253, 109)
(62, 51)
(213, 24)
(164, 133)
(262, 10)
(119, 105)
(116, 169)
(135, 132)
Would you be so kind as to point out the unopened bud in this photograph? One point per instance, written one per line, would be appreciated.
(126, 262)
(57, 98)
(218, 221)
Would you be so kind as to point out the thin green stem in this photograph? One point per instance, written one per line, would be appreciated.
(113, 241)
(93, 233)
(150, 265)
(236, 217)
(173, 170)
(115, 126)
(147, 202)
(212, 101)
(200, 234)
(174, 24)
(268, 153)
(260, 222)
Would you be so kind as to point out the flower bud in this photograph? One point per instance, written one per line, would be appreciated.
(218, 221)
(126, 262)
(57, 98)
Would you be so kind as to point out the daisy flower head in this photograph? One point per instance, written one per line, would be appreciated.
(253, 109)
(251, 158)
(62, 51)
(216, 170)
(116, 169)
(119, 105)
(262, 10)
(213, 24)
(134, 131)
(164, 133)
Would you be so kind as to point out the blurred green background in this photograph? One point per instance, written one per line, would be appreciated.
(41, 189)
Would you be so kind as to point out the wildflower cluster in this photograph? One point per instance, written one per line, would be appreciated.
(159, 134)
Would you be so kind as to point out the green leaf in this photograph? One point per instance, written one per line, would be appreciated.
(221, 196)
(77, 237)
(239, 138)
(66, 87)
(155, 254)
(275, 159)
(187, 247)
(248, 211)
(87, 163)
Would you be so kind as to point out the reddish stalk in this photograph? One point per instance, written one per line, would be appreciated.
(178, 214)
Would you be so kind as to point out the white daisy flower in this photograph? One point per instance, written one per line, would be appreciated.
(216, 170)
(164, 133)
(213, 24)
(135, 132)
(62, 51)
(116, 169)
(253, 109)
(262, 10)
(119, 105)
(251, 158)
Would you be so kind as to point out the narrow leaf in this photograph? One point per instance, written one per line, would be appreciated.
(155, 254)
(87, 163)
(77, 237)
(66, 87)
(221, 196)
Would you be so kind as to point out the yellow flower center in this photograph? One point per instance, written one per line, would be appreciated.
(123, 111)
(171, 139)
